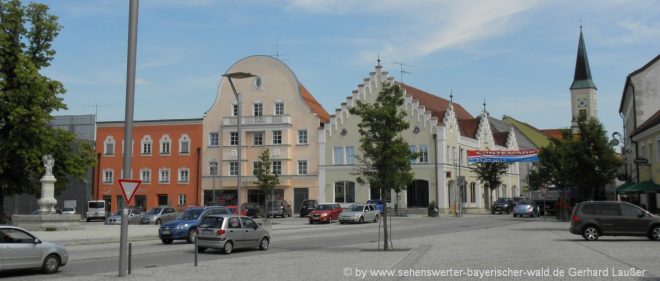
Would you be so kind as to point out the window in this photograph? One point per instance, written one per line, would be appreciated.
(302, 137)
(302, 167)
(473, 192)
(258, 138)
(650, 151)
(583, 113)
(258, 109)
(146, 145)
(344, 192)
(423, 154)
(109, 147)
(183, 174)
(413, 149)
(233, 138)
(277, 137)
(165, 144)
(630, 211)
(233, 168)
(339, 155)
(184, 144)
(182, 201)
(108, 176)
(213, 168)
(145, 175)
(234, 109)
(164, 176)
(255, 167)
(277, 167)
(350, 155)
(279, 108)
(213, 139)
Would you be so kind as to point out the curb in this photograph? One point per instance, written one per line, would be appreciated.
(77, 242)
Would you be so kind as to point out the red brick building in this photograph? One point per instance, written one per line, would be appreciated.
(166, 157)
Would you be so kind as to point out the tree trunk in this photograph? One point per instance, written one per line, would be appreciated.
(2, 208)
(386, 235)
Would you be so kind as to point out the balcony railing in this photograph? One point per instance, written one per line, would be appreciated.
(257, 120)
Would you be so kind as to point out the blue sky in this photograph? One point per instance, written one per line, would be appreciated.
(517, 55)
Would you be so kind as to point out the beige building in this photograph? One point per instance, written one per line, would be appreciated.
(440, 130)
(278, 114)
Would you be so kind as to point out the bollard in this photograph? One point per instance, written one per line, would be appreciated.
(130, 255)
(196, 251)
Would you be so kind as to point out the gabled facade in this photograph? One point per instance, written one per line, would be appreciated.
(278, 114)
(441, 130)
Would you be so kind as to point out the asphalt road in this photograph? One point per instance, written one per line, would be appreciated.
(89, 259)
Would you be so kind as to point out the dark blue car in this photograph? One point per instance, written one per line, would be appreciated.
(378, 203)
(185, 225)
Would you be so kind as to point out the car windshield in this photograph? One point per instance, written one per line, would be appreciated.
(524, 202)
(190, 214)
(154, 211)
(324, 207)
(503, 200)
(212, 222)
(357, 208)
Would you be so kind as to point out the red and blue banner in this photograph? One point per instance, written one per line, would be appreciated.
(502, 156)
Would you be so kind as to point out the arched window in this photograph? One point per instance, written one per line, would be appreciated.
(146, 145)
(184, 144)
(165, 145)
(109, 146)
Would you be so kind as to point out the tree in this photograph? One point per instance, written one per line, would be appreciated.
(266, 179)
(27, 100)
(385, 159)
(490, 173)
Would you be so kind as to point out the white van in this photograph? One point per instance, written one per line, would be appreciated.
(96, 210)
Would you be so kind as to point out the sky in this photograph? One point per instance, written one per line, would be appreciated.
(516, 55)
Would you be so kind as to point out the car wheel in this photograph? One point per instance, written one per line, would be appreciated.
(655, 233)
(192, 235)
(229, 246)
(263, 245)
(590, 233)
(158, 222)
(166, 241)
(492, 212)
(51, 264)
(376, 218)
(514, 215)
(361, 220)
(201, 249)
(341, 222)
(88, 220)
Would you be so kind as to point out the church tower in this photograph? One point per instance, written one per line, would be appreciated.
(583, 89)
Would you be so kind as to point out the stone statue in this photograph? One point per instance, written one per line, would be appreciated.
(49, 162)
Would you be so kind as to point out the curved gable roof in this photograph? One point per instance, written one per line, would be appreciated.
(313, 104)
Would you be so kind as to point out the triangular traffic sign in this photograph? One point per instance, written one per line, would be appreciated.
(128, 189)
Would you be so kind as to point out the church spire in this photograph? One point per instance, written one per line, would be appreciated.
(582, 78)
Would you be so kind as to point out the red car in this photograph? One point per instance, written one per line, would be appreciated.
(325, 213)
(233, 210)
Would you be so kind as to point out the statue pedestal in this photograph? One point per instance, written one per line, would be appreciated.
(47, 222)
(47, 201)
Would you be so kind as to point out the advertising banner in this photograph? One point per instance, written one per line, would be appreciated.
(502, 156)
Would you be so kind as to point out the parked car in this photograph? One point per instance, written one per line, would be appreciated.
(307, 206)
(280, 208)
(21, 249)
(69, 211)
(134, 216)
(185, 225)
(229, 232)
(234, 210)
(502, 205)
(601, 218)
(379, 204)
(159, 215)
(360, 213)
(252, 209)
(325, 213)
(96, 209)
(526, 208)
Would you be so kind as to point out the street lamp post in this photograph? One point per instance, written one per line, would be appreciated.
(238, 75)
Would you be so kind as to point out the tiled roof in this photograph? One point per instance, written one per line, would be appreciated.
(469, 127)
(436, 105)
(553, 133)
(501, 138)
(654, 120)
(314, 105)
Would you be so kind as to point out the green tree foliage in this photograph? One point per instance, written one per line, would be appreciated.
(266, 180)
(27, 100)
(490, 173)
(385, 159)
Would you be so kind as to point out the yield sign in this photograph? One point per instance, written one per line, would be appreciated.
(128, 189)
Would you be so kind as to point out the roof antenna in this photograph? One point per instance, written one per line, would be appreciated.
(378, 59)
(451, 95)
(401, 65)
(484, 104)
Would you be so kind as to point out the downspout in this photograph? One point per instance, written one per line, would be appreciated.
(97, 181)
(197, 188)
(437, 180)
(635, 128)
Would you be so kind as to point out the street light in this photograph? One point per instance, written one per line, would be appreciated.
(238, 75)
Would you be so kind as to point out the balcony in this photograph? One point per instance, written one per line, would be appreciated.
(257, 120)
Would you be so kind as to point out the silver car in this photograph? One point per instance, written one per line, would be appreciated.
(526, 208)
(20, 249)
(360, 213)
(134, 216)
(159, 215)
(229, 232)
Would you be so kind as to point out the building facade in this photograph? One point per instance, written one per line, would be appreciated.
(165, 156)
(278, 114)
(441, 131)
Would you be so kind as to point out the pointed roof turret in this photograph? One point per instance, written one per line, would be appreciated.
(582, 78)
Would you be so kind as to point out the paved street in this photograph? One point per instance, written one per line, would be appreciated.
(470, 247)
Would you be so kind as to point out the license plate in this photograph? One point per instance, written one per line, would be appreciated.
(166, 232)
(207, 232)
